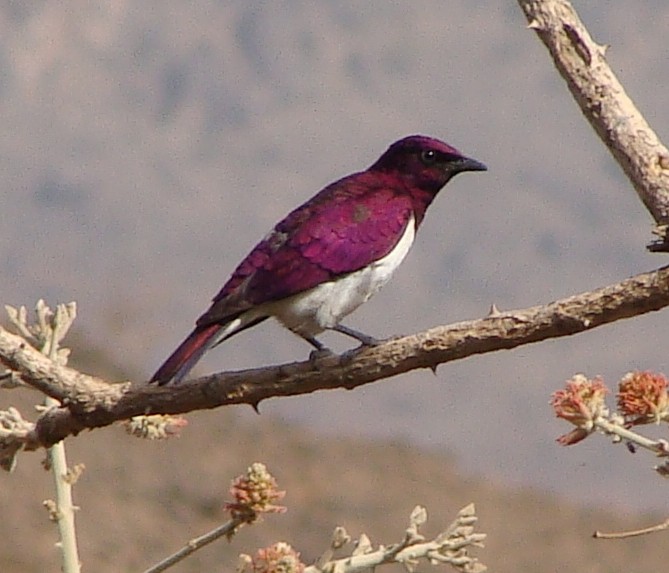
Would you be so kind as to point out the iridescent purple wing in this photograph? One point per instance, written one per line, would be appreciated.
(347, 226)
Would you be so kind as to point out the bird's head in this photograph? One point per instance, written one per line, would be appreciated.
(425, 162)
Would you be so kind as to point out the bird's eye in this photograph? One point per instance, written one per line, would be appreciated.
(428, 157)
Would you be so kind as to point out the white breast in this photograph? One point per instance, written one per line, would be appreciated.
(324, 306)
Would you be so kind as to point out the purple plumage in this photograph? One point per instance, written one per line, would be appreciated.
(329, 255)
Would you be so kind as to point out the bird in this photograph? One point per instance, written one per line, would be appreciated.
(329, 255)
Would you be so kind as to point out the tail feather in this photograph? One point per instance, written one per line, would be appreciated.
(184, 358)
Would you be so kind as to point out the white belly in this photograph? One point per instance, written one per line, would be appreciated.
(324, 306)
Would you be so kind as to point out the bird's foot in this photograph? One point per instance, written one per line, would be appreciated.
(315, 356)
(320, 354)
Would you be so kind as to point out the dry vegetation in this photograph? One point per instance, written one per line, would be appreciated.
(142, 500)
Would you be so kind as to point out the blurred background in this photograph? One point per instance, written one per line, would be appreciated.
(148, 145)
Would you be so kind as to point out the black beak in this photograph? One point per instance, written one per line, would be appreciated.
(467, 164)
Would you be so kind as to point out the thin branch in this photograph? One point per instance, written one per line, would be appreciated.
(228, 529)
(47, 332)
(56, 325)
(606, 105)
(658, 447)
(64, 505)
(634, 533)
(254, 494)
(451, 546)
(90, 403)
(56, 381)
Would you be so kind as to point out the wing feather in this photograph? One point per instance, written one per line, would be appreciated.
(347, 226)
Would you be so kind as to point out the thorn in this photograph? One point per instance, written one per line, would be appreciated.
(255, 406)
(433, 367)
(494, 311)
(663, 161)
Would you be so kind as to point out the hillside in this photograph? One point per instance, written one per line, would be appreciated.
(141, 500)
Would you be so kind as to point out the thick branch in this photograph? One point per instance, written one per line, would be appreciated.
(606, 105)
(58, 382)
(110, 403)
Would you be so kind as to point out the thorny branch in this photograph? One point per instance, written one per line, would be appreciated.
(604, 102)
(88, 402)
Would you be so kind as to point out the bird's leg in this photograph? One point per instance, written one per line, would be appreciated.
(317, 344)
(321, 351)
(365, 339)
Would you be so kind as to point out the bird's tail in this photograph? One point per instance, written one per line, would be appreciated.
(184, 358)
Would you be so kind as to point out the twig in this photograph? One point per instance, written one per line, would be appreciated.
(253, 494)
(227, 529)
(47, 333)
(634, 533)
(642, 399)
(450, 546)
(659, 447)
(54, 327)
(15, 432)
(65, 506)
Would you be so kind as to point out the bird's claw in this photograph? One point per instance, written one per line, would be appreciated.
(317, 355)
